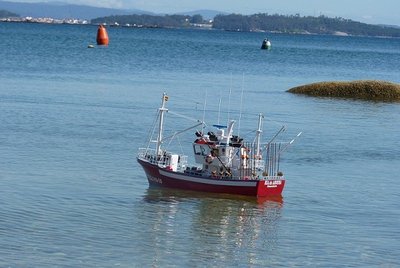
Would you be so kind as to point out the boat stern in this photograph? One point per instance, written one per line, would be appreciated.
(272, 187)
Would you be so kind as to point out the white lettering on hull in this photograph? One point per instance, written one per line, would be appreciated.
(272, 184)
(154, 179)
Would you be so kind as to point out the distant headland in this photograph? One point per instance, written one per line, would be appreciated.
(372, 90)
(275, 23)
(207, 19)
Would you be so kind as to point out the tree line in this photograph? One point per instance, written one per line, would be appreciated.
(177, 21)
(297, 24)
(259, 22)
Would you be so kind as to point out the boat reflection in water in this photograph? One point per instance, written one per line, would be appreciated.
(158, 194)
(230, 229)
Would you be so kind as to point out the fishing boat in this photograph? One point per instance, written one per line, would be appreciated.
(224, 162)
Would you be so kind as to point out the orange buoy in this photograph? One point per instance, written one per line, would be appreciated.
(102, 36)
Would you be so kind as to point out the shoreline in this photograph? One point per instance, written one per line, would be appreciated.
(52, 21)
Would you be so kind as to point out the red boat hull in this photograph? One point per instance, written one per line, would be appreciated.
(166, 178)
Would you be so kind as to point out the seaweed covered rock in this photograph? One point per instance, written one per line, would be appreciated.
(363, 89)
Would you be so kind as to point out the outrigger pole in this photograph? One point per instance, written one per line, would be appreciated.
(182, 131)
(289, 143)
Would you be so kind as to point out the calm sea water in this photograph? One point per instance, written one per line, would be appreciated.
(72, 119)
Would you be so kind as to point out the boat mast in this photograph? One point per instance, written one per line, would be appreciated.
(162, 110)
(258, 134)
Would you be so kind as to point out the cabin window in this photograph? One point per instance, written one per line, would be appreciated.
(199, 150)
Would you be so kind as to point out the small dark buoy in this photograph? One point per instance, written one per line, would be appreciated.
(266, 44)
(102, 36)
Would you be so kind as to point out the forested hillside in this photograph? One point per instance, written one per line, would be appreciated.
(260, 22)
(7, 14)
(151, 21)
(298, 24)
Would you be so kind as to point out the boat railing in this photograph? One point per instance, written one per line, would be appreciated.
(147, 154)
(266, 160)
(241, 178)
(275, 178)
(163, 159)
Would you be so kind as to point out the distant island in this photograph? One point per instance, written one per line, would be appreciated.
(303, 25)
(152, 21)
(262, 22)
(294, 24)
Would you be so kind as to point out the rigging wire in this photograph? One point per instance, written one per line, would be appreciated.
(241, 105)
(204, 111)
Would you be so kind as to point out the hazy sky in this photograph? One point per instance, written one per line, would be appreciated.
(369, 11)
